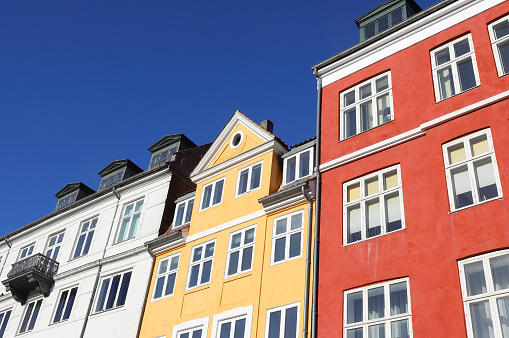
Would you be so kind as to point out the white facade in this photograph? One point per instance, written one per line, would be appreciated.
(104, 260)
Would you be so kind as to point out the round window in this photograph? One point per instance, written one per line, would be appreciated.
(236, 139)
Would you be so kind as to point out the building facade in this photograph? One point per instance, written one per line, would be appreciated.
(413, 126)
(234, 262)
(83, 270)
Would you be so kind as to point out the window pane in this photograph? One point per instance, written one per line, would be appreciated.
(390, 180)
(503, 313)
(376, 304)
(466, 74)
(457, 154)
(134, 225)
(247, 259)
(398, 296)
(482, 324)
(503, 51)
(350, 123)
(35, 313)
(122, 234)
(197, 333)
(384, 109)
(354, 224)
(189, 211)
(225, 330)
(70, 303)
(353, 192)
(349, 98)
(197, 252)
(500, 272)
(369, 30)
(207, 193)
(174, 263)
(28, 313)
(354, 307)
(366, 116)
(207, 269)
(442, 56)
(304, 164)
(372, 186)
(163, 266)
(180, 214)
(296, 221)
(446, 83)
(193, 279)
(280, 226)
(396, 16)
(87, 243)
(461, 48)
(218, 192)
(209, 250)
(240, 328)
(274, 324)
(102, 295)
(256, 176)
(376, 331)
(113, 292)
(279, 249)
(485, 177)
(365, 91)
(60, 307)
(159, 287)
(480, 145)
(295, 249)
(234, 263)
(355, 333)
(501, 29)
(291, 169)
(399, 329)
(243, 182)
(291, 323)
(236, 241)
(139, 205)
(373, 222)
(393, 213)
(382, 84)
(383, 23)
(474, 275)
(4, 323)
(249, 237)
(170, 284)
(462, 189)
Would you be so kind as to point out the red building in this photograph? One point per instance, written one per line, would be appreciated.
(414, 167)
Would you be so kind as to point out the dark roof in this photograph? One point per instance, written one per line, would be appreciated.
(72, 187)
(412, 3)
(303, 142)
(115, 165)
(275, 136)
(169, 139)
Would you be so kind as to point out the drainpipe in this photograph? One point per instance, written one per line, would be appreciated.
(314, 305)
(147, 287)
(96, 283)
(305, 320)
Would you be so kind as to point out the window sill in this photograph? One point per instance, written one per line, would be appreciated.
(365, 131)
(105, 312)
(475, 205)
(197, 288)
(286, 260)
(450, 97)
(370, 238)
(241, 275)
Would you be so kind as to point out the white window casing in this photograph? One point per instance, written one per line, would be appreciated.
(283, 321)
(201, 264)
(249, 179)
(196, 328)
(298, 166)
(235, 323)
(130, 219)
(64, 305)
(112, 292)
(166, 276)
(5, 315)
(84, 238)
(212, 194)
(30, 314)
(53, 245)
(287, 237)
(26, 251)
(241, 246)
(183, 213)
(499, 35)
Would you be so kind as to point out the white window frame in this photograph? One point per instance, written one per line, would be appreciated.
(190, 326)
(297, 158)
(169, 150)
(287, 234)
(89, 233)
(358, 102)
(387, 319)
(66, 200)
(200, 262)
(29, 252)
(495, 43)
(283, 319)
(469, 162)
(110, 277)
(232, 316)
(363, 200)
(130, 224)
(30, 319)
(249, 175)
(5, 315)
(214, 187)
(66, 304)
(453, 63)
(55, 248)
(240, 249)
(116, 178)
(184, 216)
(166, 275)
(490, 295)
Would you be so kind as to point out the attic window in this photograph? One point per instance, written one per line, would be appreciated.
(66, 200)
(110, 179)
(383, 23)
(162, 157)
(236, 140)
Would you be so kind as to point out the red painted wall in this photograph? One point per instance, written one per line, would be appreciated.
(428, 249)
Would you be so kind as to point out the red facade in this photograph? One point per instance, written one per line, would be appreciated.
(434, 238)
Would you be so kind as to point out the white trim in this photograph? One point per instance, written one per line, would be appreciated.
(184, 215)
(249, 175)
(297, 164)
(241, 133)
(165, 274)
(25, 309)
(225, 226)
(79, 233)
(212, 194)
(200, 262)
(202, 323)
(494, 44)
(411, 134)
(238, 313)
(141, 212)
(57, 303)
(283, 318)
(287, 234)
(240, 250)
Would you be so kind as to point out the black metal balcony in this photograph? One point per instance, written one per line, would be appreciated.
(34, 273)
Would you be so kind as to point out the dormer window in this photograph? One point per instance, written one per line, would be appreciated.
(298, 166)
(161, 157)
(383, 23)
(112, 178)
(183, 213)
(72, 192)
(66, 200)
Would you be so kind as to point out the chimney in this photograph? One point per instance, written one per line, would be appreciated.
(267, 125)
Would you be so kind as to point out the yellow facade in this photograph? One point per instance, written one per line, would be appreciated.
(242, 299)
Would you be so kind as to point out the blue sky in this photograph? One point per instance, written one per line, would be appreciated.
(84, 83)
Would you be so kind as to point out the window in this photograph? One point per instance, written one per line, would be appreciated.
(454, 68)
(380, 310)
(366, 106)
(166, 276)
(249, 179)
(200, 267)
(212, 194)
(240, 251)
(113, 291)
(485, 289)
(235, 323)
(372, 205)
(110, 179)
(53, 246)
(162, 157)
(183, 214)
(287, 237)
(471, 170)
(383, 23)
(4, 319)
(298, 166)
(499, 35)
(26, 251)
(30, 317)
(282, 322)
(196, 328)
(85, 236)
(64, 305)
(130, 220)
(66, 200)
(236, 140)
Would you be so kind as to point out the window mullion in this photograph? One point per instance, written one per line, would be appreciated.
(473, 183)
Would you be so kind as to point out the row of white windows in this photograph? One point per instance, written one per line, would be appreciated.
(127, 229)
(454, 69)
(287, 235)
(373, 204)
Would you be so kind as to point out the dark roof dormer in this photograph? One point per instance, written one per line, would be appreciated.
(72, 192)
(385, 16)
(117, 171)
(163, 149)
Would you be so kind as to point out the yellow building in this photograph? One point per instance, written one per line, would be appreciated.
(236, 262)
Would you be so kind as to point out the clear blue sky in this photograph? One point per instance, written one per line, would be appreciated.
(84, 83)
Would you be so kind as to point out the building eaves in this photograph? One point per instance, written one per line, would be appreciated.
(287, 191)
(382, 35)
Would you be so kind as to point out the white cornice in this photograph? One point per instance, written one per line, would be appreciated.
(411, 134)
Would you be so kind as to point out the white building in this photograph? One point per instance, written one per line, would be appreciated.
(94, 241)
